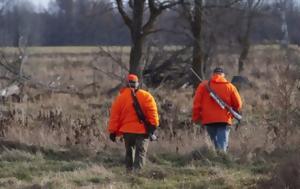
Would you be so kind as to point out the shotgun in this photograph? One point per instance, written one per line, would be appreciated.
(219, 101)
(148, 126)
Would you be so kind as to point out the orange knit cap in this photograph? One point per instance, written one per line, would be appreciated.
(132, 77)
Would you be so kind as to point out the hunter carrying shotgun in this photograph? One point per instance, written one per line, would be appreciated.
(216, 103)
(134, 115)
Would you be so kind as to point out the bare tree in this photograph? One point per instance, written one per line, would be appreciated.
(292, 11)
(284, 28)
(250, 10)
(194, 11)
(12, 64)
(140, 29)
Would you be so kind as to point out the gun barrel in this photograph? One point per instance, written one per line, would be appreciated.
(196, 74)
(235, 114)
(217, 100)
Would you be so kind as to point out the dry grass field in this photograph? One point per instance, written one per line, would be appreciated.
(56, 136)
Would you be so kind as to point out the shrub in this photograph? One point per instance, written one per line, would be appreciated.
(286, 175)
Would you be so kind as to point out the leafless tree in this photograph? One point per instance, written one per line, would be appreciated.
(284, 28)
(139, 26)
(194, 12)
(12, 75)
(251, 8)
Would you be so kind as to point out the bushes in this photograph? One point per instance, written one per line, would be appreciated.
(286, 175)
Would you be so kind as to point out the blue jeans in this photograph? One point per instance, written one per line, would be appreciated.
(219, 134)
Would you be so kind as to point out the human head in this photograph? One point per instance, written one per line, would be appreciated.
(132, 81)
(219, 70)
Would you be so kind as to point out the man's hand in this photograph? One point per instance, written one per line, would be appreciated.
(112, 137)
(151, 128)
(197, 123)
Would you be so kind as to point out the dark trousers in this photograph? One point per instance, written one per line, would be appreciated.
(136, 147)
(219, 134)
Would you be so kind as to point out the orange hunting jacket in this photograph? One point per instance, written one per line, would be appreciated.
(206, 110)
(123, 118)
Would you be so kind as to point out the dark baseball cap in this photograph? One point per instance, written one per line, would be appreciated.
(218, 70)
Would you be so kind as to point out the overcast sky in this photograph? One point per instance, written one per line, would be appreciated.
(43, 3)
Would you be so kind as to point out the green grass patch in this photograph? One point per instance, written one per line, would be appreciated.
(96, 180)
(26, 170)
(170, 159)
(200, 169)
(23, 175)
(260, 168)
(19, 155)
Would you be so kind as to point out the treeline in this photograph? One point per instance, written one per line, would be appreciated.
(98, 22)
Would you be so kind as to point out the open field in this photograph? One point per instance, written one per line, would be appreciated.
(75, 49)
(74, 169)
(56, 136)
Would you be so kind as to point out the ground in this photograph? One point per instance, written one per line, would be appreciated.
(56, 136)
(24, 166)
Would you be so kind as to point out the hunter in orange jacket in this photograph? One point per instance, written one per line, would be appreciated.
(209, 113)
(206, 110)
(125, 121)
(123, 118)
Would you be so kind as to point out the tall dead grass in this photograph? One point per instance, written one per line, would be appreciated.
(81, 120)
(285, 175)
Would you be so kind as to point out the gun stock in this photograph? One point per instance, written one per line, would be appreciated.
(235, 114)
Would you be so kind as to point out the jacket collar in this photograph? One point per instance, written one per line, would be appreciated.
(122, 90)
(217, 78)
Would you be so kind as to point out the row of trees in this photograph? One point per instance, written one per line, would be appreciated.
(64, 22)
(92, 22)
(200, 23)
(206, 23)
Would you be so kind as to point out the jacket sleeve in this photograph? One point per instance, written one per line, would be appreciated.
(151, 110)
(197, 106)
(236, 99)
(114, 120)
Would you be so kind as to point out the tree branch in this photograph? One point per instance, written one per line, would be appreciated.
(109, 74)
(169, 4)
(187, 12)
(124, 15)
(153, 31)
(118, 61)
(258, 2)
(155, 11)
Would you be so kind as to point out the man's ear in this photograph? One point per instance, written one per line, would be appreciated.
(137, 85)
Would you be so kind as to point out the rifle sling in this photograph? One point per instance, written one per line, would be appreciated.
(138, 110)
(210, 90)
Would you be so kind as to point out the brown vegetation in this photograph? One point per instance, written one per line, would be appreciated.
(76, 118)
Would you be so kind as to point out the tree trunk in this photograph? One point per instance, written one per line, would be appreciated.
(135, 56)
(245, 43)
(137, 37)
(197, 50)
(243, 57)
(284, 28)
(138, 29)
